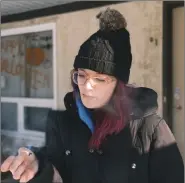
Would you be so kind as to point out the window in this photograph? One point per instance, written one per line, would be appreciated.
(9, 116)
(26, 65)
(33, 121)
(28, 78)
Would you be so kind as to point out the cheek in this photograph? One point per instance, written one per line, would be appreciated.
(106, 93)
(105, 96)
(80, 88)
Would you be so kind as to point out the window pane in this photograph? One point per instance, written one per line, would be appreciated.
(9, 116)
(26, 65)
(35, 118)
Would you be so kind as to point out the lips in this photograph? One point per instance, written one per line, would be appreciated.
(87, 96)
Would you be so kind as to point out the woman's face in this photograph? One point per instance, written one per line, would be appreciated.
(95, 89)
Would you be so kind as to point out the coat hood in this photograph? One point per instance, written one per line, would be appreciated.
(143, 101)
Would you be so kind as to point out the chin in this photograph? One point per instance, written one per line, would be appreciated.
(89, 106)
(90, 102)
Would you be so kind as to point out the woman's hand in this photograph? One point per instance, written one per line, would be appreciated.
(23, 167)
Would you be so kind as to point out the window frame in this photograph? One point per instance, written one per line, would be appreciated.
(23, 102)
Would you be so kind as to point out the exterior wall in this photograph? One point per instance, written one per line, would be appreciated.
(144, 24)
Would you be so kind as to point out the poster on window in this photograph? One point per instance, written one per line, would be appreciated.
(27, 65)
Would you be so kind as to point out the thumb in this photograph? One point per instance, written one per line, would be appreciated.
(26, 153)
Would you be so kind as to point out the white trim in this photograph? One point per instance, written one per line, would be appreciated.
(28, 133)
(28, 29)
(32, 102)
(55, 88)
(34, 133)
(20, 117)
(36, 138)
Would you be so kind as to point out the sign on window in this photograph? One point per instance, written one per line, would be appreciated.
(26, 65)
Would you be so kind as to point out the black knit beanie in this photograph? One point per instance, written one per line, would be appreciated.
(108, 50)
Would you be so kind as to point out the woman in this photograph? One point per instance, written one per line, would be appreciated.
(109, 132)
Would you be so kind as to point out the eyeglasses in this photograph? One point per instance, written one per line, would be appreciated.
(80, 78)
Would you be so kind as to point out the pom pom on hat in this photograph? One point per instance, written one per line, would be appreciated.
(111, 20)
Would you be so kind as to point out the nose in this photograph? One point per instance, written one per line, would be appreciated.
(88, 85)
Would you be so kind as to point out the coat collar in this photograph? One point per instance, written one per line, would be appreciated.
(143, 101)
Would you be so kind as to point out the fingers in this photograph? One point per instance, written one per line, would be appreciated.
(16, 163)
(22, 160)
(7, 163)
(23, 167)
(19, 171)
(26, 176)
(29, 173)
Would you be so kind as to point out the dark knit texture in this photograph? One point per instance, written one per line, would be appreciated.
(107, 51)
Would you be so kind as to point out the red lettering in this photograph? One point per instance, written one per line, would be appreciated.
(4, 65)
(12, 69)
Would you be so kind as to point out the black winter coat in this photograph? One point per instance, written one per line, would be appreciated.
(145, 151)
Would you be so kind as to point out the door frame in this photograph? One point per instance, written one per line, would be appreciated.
(168, 7)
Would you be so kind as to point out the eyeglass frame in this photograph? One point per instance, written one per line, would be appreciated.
(108, 79)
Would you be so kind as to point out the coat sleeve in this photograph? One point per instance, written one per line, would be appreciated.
(53, 152)
(166, 164)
